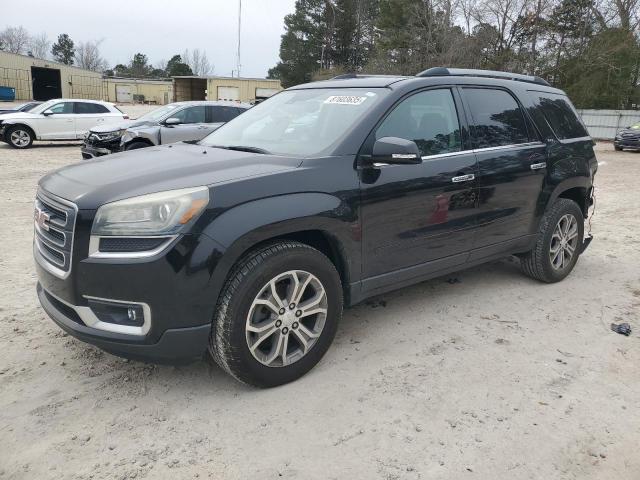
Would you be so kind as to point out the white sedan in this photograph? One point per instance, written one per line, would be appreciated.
(60, 119)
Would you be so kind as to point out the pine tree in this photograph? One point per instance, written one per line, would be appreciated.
(64, 49)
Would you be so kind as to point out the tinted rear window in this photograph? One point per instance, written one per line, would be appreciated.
(561, 116)
(497, 118)
(84, 108)
(222, 113)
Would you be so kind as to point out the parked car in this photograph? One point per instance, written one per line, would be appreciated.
(248, 244)
(24, 107)
(628, 138)
(60, 119)
(180, 121)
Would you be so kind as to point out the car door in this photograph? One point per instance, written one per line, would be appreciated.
(511, 163)
(89, 115)
(418, 219)
(59, 124)
(191, 127)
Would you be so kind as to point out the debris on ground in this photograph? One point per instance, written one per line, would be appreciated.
(622, 328)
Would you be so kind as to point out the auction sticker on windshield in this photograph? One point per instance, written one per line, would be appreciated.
(345, 100)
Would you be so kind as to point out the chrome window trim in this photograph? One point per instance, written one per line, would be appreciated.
(40, 258)
(94, 247)
(92, 321)
(506, 147)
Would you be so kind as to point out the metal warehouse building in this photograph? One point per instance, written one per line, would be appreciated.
(224, 88)
(37, 79)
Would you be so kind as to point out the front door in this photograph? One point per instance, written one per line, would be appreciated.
(60, 125)
(192, 126)
(512, 165)
(418, 219)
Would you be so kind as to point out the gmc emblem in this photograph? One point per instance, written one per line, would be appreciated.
(41, 218)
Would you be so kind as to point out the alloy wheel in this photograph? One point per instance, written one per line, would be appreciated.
(286, 318)
(20, 138)
(564, 242)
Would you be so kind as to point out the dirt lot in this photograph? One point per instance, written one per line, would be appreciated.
(484, 374)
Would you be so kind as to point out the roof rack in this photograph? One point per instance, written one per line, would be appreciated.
(346, 76)
(469, 72)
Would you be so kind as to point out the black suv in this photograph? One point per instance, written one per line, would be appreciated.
(249, 243)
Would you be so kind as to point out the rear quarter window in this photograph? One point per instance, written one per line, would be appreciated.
(561, 116)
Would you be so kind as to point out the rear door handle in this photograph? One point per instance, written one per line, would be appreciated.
(463, 178)
(538, 166)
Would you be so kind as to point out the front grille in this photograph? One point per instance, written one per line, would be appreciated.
(54, 222)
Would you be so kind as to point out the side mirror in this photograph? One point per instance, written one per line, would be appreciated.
(47, 113)
(396, 151)
(169, 122)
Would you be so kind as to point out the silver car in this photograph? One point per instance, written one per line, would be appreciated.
(176, 122)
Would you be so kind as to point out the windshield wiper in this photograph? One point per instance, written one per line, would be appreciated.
(243, 148)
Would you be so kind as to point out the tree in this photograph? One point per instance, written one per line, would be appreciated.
(176, 67)
(63, 50)
(197, 61)
(88, 56)
(15, 39)
(39, 46)
(139, 66)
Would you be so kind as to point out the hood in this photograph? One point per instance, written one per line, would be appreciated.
(122, 175)
(628, 130)
(18, 115)
(119, 126)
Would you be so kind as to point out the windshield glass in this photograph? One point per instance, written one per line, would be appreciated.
(158, 113)
(297, 122)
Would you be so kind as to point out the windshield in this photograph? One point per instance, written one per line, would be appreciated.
(158, 113)
(297, 122)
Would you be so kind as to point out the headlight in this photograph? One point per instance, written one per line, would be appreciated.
(110, 135)
(162, 213)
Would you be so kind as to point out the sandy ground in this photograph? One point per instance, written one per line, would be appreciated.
(484, 374)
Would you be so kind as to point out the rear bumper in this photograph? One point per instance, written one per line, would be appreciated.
(175, 346)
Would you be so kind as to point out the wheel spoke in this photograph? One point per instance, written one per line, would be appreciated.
(314, 311)
(276, 350)
(263, 337)
(285, 346)
(300, 290)
(274, 293)
(267, 325)
(307, 332)
(268, 304)
(312, 302)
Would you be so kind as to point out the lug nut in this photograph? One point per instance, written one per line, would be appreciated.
(295, 325)
(281, 312)
(285, 330)
(292, 306)
(278, 323)
(298, 313)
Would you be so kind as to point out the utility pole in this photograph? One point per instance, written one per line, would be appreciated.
(239, 31)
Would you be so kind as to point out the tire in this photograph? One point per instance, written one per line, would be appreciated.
(541, 263)
(136, 145)
(236, 311)
(617, 149)
(19, 137)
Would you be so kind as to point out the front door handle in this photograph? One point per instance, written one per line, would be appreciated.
(463, 178)
(538, 166)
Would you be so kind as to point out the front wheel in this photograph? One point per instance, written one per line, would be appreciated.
(617, 148)
(277, 314)
(136, 145)
(558, 245)
(19, 137)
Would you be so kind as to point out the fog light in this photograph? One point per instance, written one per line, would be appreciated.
(118, 313)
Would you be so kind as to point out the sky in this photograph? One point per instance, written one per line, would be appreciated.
(161, 28)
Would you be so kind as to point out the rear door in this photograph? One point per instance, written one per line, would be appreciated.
(89, 115)
(512, 165)
(218, 115)
(192, 125)
(60, 125)
(422, 215)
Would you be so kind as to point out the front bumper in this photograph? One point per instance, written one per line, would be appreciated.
(632, 143)
(98, 149)
(173, 285)
(175, 346)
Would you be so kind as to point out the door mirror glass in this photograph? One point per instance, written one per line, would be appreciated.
(394, 150)
(47, 112)
(172, 121)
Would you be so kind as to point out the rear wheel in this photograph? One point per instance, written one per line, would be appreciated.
(19, 137)
(558, 245)
(277, 314)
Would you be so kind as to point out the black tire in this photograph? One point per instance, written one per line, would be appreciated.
(24, 132)
(617, 149)
(136, 145)
(537, 263)
(228, 341)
